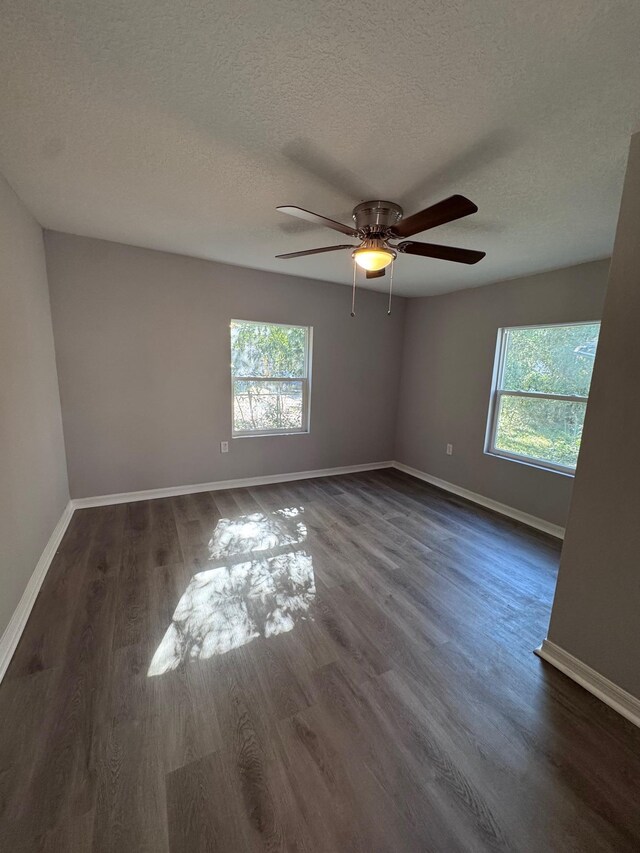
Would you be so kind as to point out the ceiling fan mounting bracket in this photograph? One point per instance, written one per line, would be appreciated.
(376, 217)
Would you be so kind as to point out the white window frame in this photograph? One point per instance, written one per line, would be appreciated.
(305, 380)
(497, 393)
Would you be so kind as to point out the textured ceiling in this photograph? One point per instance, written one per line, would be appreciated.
(181, 125)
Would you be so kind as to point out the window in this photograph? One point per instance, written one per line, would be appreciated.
(270, 368)
(540, 396)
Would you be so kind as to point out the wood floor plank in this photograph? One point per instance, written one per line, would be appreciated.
(64, 775)
(414, 818)
(324, 665)
(23, 701)
(203, 809)
(130, 803)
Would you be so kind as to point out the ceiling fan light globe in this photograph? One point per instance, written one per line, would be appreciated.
(373, 260)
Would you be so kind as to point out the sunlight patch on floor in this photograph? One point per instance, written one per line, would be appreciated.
(257, 532)
(227, 607)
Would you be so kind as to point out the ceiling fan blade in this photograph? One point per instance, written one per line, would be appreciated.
(301, 213)
(443, 253)
(315, 251)
(454, 207)
(375, 273)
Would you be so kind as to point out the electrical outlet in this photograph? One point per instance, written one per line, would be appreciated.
(224, 447)
(449, 449)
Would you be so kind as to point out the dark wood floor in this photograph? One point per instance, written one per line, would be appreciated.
(341, 664)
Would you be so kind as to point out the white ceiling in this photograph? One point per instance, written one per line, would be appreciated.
(181, 124)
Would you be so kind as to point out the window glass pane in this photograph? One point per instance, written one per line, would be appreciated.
(551, 360)
(547, 430)
(267, 405)
(261, 349)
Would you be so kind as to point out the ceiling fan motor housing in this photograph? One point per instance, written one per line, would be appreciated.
(374, 218)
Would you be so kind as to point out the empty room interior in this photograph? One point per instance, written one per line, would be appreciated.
(307, 544)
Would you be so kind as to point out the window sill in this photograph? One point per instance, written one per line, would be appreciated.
(270, 434)
(531, 463)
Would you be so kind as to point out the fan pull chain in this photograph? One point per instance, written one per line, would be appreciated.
(390, 288)
(353, 292)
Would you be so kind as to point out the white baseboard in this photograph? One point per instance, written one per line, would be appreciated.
(612, 695)
(13, 631)
(172, 491)
(503, 509)
(269, 479)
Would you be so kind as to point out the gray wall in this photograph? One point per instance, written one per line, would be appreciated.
(142, 341)
(33, 476)
(449, 351)
(596, 612)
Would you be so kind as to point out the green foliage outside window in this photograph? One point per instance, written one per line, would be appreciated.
(552, 360)
(261, 352)
(261, 349)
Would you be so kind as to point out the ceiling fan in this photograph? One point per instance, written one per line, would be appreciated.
(379, 222)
